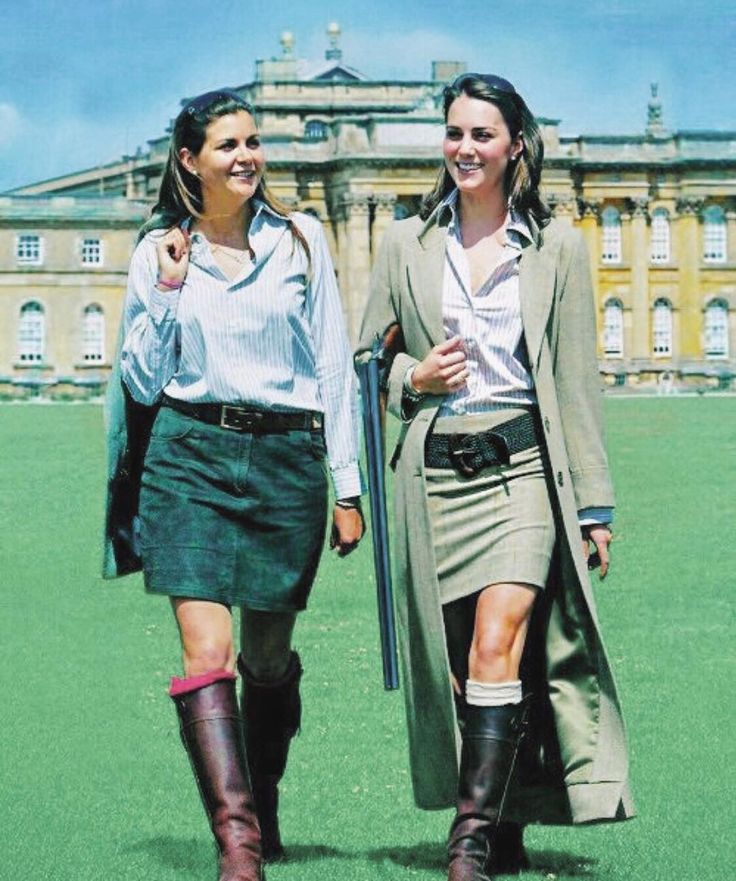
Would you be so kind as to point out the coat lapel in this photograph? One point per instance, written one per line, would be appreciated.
(536, 293)
(425, 270)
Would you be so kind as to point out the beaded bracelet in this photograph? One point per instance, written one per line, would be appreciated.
(170, 285)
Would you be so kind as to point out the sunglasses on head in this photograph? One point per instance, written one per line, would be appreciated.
(498, 83)
(202, 102)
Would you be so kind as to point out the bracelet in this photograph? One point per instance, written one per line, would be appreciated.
(170, 285)
(353, 503)
(409, 391)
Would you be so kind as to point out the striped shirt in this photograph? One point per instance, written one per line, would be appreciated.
(272, 338)
(488, 321)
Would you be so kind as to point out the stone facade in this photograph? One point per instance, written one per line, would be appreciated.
(658, 211)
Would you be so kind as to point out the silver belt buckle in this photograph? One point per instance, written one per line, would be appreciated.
(239, 419)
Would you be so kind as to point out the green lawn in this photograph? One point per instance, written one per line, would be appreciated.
(96, 786)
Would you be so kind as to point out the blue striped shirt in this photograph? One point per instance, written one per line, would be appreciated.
(273, 337)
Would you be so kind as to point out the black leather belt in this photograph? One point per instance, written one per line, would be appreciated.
(245, 419)
(470, 453)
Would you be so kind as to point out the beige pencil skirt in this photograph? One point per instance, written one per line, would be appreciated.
(495, 527)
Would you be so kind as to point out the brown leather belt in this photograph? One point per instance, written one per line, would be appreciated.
(246, 419)
(470, 453)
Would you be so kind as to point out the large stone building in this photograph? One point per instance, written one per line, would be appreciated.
(658, 211)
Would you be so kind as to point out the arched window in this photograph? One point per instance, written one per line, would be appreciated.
(662, 328)
(714, 235)
(611, 220)
(613, 329)
(660, 247)
(31, 333)
(716, 329)
(315, 130)
(93, 334)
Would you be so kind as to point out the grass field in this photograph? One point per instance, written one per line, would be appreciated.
(95, 784)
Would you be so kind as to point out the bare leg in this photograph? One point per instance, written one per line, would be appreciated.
(205, 629)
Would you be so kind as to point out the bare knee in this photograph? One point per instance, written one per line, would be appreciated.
(206, 656)
(492, 653)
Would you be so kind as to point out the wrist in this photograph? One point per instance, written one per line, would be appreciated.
(169, 284)
(350, 503)
(410, 386)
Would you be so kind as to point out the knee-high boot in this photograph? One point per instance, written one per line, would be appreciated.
(211, 732)
(271, 717)
(490, 741)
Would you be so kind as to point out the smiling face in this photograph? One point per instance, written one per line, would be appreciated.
(231, 162)
(478, 147)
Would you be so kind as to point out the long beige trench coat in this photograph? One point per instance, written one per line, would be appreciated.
(573, 767)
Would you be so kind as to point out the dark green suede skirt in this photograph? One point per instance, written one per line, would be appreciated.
(234, 518)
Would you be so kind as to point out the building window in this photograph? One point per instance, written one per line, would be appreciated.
(611, 220)
(315, 130)
(31, 333)
(29, 250)
(91, 252)
(662, 328)
(716, 329)
(93, 335)
(714, 235)
(660, 252)
(613, 329)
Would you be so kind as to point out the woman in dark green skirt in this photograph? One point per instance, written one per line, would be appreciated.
(234, 340)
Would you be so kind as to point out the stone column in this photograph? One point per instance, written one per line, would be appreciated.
(383, 215)
(641, 347)
(690, 255)
(589, 211)
(354, 257)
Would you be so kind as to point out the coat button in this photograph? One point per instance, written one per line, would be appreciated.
(546, 423)
(560, 479)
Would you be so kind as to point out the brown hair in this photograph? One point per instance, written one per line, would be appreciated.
(524, 175)
(180, 193)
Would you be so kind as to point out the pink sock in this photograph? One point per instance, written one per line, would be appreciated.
(192, 683)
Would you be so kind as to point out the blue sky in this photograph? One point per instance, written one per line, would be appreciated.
(83, 82)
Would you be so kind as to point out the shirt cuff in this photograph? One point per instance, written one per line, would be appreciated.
(162, 305)
(591, 516)
(346, 481)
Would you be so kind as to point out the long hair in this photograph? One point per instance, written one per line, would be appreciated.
(523, 175)
(180, 193)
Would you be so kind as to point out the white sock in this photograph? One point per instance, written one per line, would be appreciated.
(493, 694)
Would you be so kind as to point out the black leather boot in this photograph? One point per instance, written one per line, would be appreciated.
(212, 734)
(508, 856)
(272, 714)
(491, 739)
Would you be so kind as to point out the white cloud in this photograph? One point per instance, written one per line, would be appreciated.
(11, 124)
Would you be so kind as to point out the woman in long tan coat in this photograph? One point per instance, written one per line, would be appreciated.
(503, 496)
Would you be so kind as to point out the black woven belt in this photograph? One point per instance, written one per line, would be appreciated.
(244, 419)
(470, 453)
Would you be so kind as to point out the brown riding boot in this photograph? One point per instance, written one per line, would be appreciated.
(211, 732)
(491, 738)
(271, 717)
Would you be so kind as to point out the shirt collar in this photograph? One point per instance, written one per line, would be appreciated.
(447, 212)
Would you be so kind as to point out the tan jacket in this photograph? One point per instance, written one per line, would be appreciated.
(574, 765)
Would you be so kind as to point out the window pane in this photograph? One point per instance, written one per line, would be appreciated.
(714, 235)
(611, 252)
(660, 237)
(716, 330)
(613, 329)
(31, 332)
(28, 249)
(91, 252)
(662, 326)
(93, 334)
